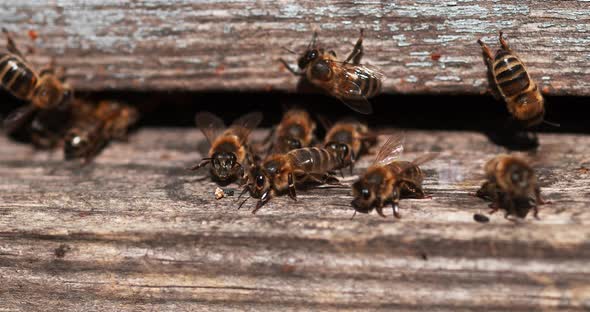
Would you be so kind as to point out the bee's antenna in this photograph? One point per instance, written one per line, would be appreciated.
(554, 124)
(289, 50)
(313, 40)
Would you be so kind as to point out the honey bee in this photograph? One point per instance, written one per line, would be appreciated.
(512, 185)
(352, 83)
(282, 172)
(229, 152)
(348, 139)
(44, 91)
(95, 126)
(389, 179)
(294, 131)
(511, 81)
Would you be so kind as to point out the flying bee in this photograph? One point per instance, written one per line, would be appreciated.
(229, 151)
(512, 185)
(44, 91)
(282, 172)
(511, 81)
(389, 179)
(349, 139)
(294, 131)
(352, 83)
(95, 126)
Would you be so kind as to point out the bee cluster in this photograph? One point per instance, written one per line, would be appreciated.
(293, 155)
(52, 116)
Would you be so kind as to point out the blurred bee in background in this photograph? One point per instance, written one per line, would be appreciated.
(352, 83)
(511, 81)
(389, 179)
(95, 126)
(229, 151)
(348, 139)
(511, 185)
(282, 172)
(294, 131)
(47, 95)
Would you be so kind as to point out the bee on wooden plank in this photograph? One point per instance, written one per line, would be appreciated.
(95, 126)
(349, 139)
(389, 179)
(281, 173)
(352, 83)
(512, 82)
(46, 93)
(511, 185)
(294, 131)
(229, 151)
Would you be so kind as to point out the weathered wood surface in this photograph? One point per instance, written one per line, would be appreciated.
(424, 46)
(136, 231)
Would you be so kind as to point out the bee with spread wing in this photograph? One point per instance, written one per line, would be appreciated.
(352, 83)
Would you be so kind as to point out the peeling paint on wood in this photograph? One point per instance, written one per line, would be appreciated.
(149, 45)
(137, 231)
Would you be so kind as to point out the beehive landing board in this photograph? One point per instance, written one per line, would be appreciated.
(135, 230)
(426, 46)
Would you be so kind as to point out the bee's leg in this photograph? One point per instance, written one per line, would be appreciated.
(332, 52)
(495, 206)
(11, 46)
(395, 206)
(291, 189)
(263, 200)
(289, 68)
(379, 210)
(354, 214)
(202, 163)
(357, 52)
(489, 60)
(503, 42)
(352, 161)
(538, 199)
(331, 180)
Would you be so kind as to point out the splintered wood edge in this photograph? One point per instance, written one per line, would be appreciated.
(423, 47)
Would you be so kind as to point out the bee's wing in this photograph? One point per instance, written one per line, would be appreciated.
(391, 150)
(424, 158)
(18, 118)
(210, 125)
(348, 91)
(245, 124)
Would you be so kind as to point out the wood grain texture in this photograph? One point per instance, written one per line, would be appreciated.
(426, 46)
(136, 231)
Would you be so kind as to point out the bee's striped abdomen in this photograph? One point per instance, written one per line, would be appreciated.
(313, 159)
(369, 85)
(406, 170)
(510, 74)
(17, 78)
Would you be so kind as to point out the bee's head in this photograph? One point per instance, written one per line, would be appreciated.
(342, 152)
(364, 196)
(520, 179)
(371, 190)
(308, 57)
(259, 183)
(224, 165)
(77, 144)
(51, 93)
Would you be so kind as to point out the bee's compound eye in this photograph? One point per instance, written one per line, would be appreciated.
(260, 181)
(366, 194)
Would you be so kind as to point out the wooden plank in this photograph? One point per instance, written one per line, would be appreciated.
(136, 231)
(424, 46)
